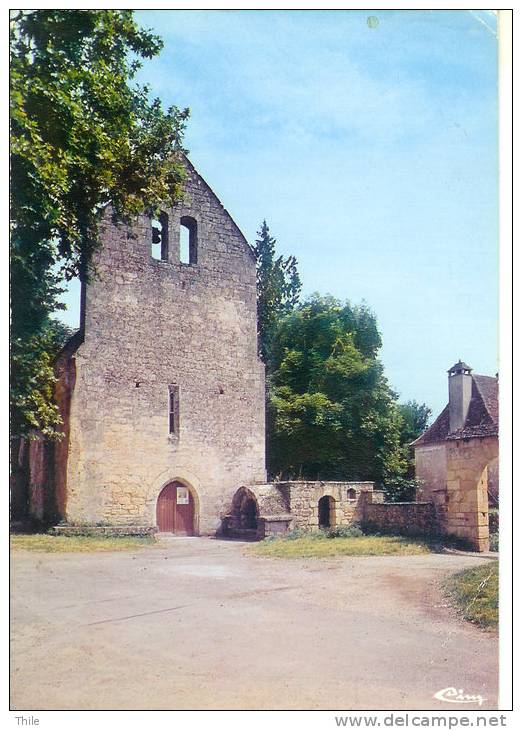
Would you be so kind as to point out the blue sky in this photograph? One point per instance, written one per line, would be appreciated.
(370, 151)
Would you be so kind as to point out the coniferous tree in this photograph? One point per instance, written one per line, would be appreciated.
(278, 288)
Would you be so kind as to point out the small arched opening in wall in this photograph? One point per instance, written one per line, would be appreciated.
(188, 240)
(326, 509)
(244, 516)
(160, 237)
(177, 509)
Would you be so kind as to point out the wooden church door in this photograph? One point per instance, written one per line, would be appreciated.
(175, 510)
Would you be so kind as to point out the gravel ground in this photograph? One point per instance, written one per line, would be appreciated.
(198, 623)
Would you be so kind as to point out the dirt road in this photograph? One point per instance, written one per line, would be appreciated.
(203, 624)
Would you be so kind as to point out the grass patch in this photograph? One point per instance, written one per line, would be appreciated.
(310, 546)
(474, 592)
(78, 543)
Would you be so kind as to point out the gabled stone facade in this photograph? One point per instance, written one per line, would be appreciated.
(164, 384)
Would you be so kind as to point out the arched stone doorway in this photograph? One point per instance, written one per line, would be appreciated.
(244, 516)
(467, 490)
(176, 509)
(326, 509)
(488, 487)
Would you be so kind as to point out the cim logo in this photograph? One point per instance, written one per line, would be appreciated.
(458, 696)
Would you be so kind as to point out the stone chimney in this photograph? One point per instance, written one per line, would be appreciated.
(459, 385)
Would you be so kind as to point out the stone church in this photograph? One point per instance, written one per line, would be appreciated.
(162, 390)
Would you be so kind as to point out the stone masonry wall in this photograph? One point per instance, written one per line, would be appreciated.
(304, 502)
(38, 477)
(455, 480)
(66, 378)
(430, 470)
(295, 505)
(149, 324)
(404, 518)
(19, 479)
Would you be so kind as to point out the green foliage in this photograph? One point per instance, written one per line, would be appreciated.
(493, 529)
(400, 489)
(415, 420)
(296, 534)
(415, 417)
(493, 542)
(32, 380)
(82, 138)
(331, 412)
(332, 532)
(278, 288)
(494, 519)
(345, 531)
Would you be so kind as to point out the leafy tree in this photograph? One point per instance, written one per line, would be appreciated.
(402, 487)
(32, 380)
(331, 412)
(278, 288)
(415, 418)
(82, 138)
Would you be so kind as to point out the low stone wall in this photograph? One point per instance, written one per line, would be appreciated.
(267, 526)
(284, 506)
(103, 530)
(403, 518)
(304, 496)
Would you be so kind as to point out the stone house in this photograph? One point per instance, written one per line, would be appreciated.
(456, 459)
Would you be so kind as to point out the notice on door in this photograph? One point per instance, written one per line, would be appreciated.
(182, 495)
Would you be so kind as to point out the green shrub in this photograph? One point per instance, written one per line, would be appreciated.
(493, 520)
(399, 489)
(493, 542)
(294, 534)
(321, 534)
(345, 531)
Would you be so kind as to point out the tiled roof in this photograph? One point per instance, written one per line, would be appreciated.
(488, 388)
(482, 419)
